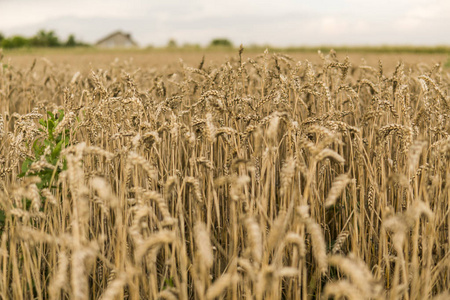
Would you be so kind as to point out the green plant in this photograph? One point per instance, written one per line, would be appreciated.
(168, 283)
(47, 156)
(48, 150)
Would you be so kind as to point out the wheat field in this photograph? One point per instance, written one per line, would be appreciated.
(256, 178)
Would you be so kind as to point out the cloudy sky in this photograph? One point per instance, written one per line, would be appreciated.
(274, 22)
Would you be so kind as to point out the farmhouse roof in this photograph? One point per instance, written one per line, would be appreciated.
(127, 35)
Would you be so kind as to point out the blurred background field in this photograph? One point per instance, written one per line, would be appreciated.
(85, 58)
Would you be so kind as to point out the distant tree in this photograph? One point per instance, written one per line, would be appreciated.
(45, 39)
(2, 37)
(5, 43)
(15, 42)
(172, 43)
(71, 41)
(221, 42)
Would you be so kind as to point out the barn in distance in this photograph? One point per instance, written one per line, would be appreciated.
(117, 39)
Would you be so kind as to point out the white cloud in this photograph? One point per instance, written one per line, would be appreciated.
(424, 15)
(332, 26)
(24, 12)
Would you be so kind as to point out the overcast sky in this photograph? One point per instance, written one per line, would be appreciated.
(274, 22)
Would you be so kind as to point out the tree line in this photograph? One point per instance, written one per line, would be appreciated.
(42, 38)
(49, 39)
